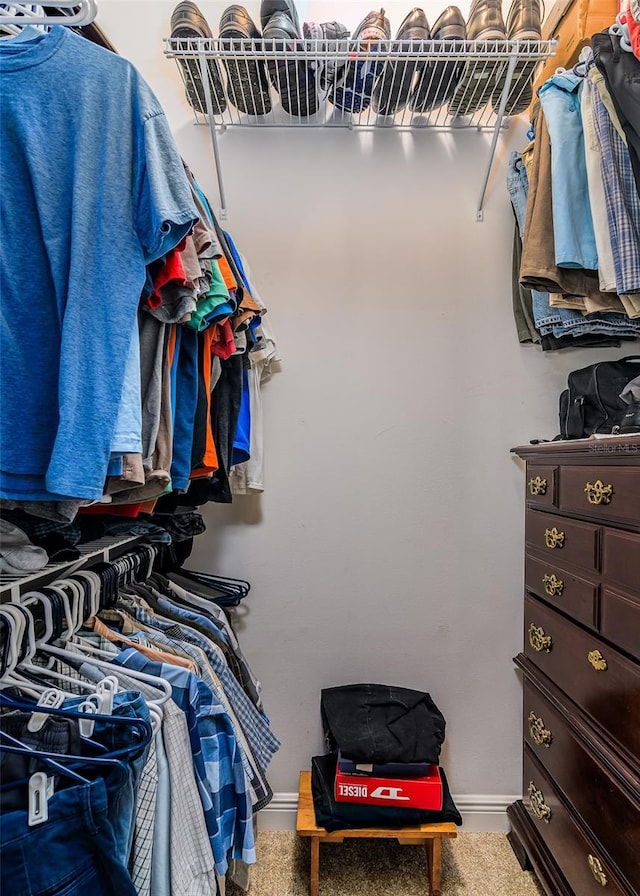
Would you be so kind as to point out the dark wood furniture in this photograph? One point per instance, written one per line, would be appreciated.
(578, 823)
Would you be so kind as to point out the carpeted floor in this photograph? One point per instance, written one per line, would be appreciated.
(472, 865)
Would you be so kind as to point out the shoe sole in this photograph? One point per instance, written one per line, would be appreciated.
(248, 86)
(436, 85)
(490, 34)
(192, 77)
(294, 82)
(393, 88)
(520, 89)
(527, 35)
(476, 86)
(346, 96)
(188, 22)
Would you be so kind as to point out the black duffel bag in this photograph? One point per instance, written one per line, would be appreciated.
(591, 402)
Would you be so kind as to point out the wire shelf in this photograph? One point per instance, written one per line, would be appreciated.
(319, 83)
(102, 549)
(402, 85)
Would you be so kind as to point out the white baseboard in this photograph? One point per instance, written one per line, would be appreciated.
(480, 813)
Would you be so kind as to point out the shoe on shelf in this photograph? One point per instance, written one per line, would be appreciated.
(474, 90)
(247, 80)
(438, 80)
(332, 33)
(294, 79)
(524, 22)
(392, 89)
(188, 22)
(354, 82)
(631, 420)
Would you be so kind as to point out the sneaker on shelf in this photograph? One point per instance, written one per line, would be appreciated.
(187, 22)
(392, 89)
(474, 90)
(439, 80)
(524, 22)
(294, 79)
(247, 81)
(332, 33)
(354, 83)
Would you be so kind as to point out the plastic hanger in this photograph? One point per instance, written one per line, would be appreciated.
(79, 649)
(23, 14)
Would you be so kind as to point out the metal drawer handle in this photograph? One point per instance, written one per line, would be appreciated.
(538, 640)
(596, 870)
(553, 538)
(537, 803)
(597, 660)
(552, 585)
(598, 492)
(537, 732)
(538, 486)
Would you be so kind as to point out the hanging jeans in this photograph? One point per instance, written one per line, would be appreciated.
(379, 723)
(73, 853)
(122, 797)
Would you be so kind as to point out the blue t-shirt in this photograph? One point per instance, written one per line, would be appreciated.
(93, 190)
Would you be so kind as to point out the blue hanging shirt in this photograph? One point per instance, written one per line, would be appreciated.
(93, 190)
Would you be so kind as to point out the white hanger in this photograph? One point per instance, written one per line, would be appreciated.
(77, 649)
(23, 13)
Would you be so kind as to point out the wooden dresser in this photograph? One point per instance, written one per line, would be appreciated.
(578, 823)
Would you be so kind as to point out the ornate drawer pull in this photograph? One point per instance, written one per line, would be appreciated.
(552, 585)
(537, 803)
(596, 870)
(537, 732)
(537, 638)
(597, 660)
(598, 492)
(553, 538)
(538, 486)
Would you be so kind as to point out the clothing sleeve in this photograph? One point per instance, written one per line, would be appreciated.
(166, 212)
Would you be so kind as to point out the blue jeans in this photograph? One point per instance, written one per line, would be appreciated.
(121, 797)
(73, 853)
(544, 317)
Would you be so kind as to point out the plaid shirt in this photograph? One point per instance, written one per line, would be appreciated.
(260, 789)
(264, 744)
(216, 760)
(621, 194)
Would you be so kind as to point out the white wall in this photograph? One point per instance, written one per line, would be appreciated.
(388, 544)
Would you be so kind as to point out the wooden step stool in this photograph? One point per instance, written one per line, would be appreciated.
(428, 834)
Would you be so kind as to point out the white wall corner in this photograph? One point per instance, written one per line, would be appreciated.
(480, 812)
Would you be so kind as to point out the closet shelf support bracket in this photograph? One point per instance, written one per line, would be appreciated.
(511, 67)
(204, 75)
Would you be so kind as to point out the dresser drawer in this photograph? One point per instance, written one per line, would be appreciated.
(621, 558)
(542, 485)
(604, 492)
(612, 814)
(582, 862)
(564, 541)
(571, 593)
(620, 620)
(601, 681)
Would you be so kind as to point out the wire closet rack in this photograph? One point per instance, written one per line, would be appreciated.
(446, 84)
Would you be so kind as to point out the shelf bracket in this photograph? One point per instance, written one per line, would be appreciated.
(511, 67)
(204, 75)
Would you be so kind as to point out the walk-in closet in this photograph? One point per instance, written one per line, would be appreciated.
(278, 366)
